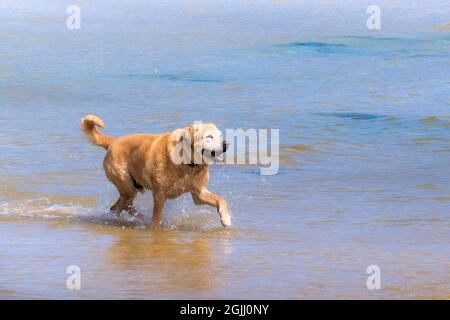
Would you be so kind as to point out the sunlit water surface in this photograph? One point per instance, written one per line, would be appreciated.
(364, 126)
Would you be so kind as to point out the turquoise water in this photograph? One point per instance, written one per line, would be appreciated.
(364, 161)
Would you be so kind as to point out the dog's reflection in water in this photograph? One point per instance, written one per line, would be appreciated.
(165, 261)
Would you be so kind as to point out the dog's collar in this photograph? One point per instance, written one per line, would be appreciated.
(196, 165)
(193, 165)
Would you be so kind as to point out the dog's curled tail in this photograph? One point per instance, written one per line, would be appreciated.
(89, 126)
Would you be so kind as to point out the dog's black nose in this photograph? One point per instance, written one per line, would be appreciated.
(225, 146)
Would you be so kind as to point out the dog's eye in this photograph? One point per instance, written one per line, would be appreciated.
(209, 136)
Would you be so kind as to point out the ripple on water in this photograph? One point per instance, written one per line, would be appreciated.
(352, 115)
(290, 152)
(184, 76)
(322, 47)
(428, 186)
(430, 119)
(435, 122)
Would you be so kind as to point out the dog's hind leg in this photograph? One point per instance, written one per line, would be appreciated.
(127, 191)
(122, 204)
(132, 211)
(125, 203)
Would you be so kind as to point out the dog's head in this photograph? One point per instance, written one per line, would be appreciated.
(198, 144)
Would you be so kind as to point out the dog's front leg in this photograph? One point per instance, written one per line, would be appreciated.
(206, 197)
(158, 205)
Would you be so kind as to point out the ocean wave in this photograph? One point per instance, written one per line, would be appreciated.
(352, 115)
(322, 47)
(315, 44)
(184, 77)
(409, 48)
(43, 208)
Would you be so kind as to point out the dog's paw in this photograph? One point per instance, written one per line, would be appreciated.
(138, 216)
(225, 219)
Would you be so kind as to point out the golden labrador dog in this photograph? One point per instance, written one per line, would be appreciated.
(168, 164)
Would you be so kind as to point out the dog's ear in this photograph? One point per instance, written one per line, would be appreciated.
(177, 135)
(181, 145)
(186, 134)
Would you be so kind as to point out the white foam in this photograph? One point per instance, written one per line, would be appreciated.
(42, 208)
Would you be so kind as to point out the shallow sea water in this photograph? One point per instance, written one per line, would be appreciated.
(364, 126)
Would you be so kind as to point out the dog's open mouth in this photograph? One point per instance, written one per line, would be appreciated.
(219, 157)
(213, 155)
